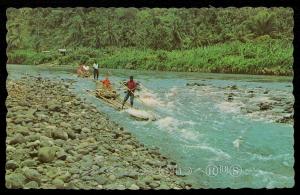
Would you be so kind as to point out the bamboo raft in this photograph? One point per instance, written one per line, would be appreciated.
(115, 102)
(111, 98)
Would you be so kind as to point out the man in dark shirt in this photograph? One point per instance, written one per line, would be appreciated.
(131, 86)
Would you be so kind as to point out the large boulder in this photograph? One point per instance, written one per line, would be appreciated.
(46, 154)
(59, 134)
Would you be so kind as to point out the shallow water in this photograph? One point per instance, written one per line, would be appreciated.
(214, 144)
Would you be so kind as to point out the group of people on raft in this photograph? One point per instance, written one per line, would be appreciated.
(130, 85)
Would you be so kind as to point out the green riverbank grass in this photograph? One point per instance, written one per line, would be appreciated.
(269, 57)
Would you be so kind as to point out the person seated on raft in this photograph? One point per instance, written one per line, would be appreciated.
(80, 69)
(106, 83)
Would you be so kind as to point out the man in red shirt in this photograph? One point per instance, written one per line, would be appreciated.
(131, 86)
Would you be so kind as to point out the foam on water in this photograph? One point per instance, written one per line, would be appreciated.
(168, 123)
(171, 123)
(140, 113)
(229, 107)
(218, 153)
(173, 92)
(151, 100)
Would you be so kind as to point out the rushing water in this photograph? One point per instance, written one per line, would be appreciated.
(214, 145)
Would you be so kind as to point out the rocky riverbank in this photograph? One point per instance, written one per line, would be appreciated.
(57, 140)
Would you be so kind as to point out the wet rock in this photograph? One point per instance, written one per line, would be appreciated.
(195, 84)
(232, 87)
(229, 98)
(250, 109)
(285, 119)
(265, 106)
(15, 180)
(11, 164)
(46, 154)
(289, 109)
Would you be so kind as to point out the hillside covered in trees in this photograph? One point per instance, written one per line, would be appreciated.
(231, 40)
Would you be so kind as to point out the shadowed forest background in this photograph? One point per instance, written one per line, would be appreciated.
(231, 40)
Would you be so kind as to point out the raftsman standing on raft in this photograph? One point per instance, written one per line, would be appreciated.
(131, 86)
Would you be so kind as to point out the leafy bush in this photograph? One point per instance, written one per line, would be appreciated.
(234, 57)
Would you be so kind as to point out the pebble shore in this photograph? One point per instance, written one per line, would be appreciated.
(56, 140)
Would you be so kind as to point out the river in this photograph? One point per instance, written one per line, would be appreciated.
(214, 143)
